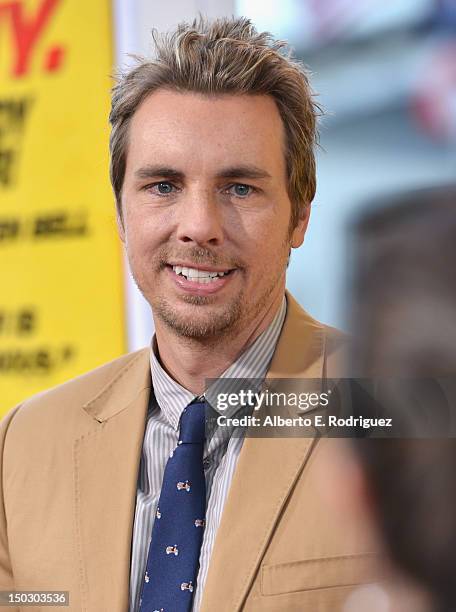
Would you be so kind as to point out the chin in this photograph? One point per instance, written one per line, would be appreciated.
(189, 323)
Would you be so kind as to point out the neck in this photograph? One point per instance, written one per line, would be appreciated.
(190, 361)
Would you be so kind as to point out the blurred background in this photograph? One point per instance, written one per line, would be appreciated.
(385, 73)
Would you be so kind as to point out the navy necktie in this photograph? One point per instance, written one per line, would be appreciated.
(173, 559)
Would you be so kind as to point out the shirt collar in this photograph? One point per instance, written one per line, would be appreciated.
(172, 397)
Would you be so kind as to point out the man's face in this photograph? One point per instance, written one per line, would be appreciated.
(205, 192)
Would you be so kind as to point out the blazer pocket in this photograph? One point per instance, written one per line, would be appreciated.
(319, 574)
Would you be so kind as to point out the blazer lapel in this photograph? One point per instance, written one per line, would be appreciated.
(106, 463)
(266, 472)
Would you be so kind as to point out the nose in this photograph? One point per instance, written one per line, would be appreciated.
(199, 220)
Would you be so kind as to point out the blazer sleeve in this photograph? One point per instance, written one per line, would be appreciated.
(6, 573)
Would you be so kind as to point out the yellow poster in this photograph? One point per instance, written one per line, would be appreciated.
(61, 300)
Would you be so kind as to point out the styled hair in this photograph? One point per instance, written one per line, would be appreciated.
(224, 56)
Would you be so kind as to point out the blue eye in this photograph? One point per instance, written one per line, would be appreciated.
(164, 188)
(241, 190)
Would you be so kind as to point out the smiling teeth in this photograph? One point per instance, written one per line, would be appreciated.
(200, 276)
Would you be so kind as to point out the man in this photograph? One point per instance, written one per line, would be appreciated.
(213, 171)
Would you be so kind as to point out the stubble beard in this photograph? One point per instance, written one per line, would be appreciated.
(217, 324)
(220, 324)
(214, 324)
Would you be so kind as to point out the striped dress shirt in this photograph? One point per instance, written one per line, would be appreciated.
(167, 402)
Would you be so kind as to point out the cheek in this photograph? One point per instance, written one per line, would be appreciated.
(261, 226)
(146, 231)
(267, 256)
(270, 236)
(142, 252)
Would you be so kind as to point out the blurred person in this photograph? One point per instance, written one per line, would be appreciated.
(109, 488)
(403, 490)
(404, 287)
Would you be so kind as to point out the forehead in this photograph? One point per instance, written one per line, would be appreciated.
(203, 130)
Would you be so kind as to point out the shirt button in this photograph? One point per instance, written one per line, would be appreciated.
(206, 463)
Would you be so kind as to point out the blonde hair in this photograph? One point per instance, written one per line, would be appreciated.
(225, 56)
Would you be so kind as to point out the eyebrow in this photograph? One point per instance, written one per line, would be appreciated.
(147, 172)
(248, 171)
(243, 171)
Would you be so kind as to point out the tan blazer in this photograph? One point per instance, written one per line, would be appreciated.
(69, 476)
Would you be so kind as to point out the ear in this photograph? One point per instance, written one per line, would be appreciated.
(297, 236)
(120, 226)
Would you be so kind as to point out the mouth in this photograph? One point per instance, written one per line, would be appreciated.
(200, 281)
(198, 275)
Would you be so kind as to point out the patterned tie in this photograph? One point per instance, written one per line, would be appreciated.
(173, 559)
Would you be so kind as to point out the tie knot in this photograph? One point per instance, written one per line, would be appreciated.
(193, 423)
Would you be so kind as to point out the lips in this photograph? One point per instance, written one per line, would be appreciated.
(199, 275)
(199, 281)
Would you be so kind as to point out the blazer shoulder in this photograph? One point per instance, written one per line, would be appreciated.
(337, 352)
(335, 337)
(60, 401)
